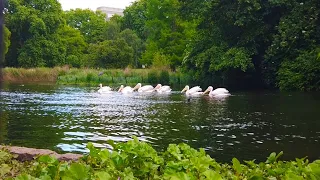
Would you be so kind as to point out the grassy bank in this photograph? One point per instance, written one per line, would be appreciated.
(33, 74)
(65, 75)
(138, 160)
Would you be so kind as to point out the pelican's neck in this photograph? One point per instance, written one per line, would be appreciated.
(158, 87)
(137, 86)
(121, 88)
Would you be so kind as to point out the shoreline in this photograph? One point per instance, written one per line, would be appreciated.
(79, 76)
(29, 154)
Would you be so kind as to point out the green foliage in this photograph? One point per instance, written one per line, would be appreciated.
(165, 33)
(6, 38)
(42, 52)
(111, 54)
(33, 25)
(301, 73)
(135, 17)
(164, 77)
(153, 77)
(138, 160)
(74, 43)
(160, 61)
(92, 25)
(116, 76)
(135, 42)
(262, 40)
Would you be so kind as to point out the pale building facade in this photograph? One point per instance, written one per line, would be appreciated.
(109, 11)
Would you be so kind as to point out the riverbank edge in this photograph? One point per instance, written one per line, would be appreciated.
(29, 154)
(87, 76)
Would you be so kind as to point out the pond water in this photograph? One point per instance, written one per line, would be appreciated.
(244, 125)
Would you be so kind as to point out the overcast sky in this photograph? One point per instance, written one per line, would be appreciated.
(93, 4)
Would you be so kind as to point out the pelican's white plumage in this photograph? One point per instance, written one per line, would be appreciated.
(162, 89)
(127, 89)
(195, 91)
(145, 88)
(219, 92)
(104, 89)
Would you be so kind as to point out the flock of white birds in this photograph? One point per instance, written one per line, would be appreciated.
(194, 91)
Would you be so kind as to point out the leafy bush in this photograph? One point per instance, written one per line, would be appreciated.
(138, 160)
(164, 77)
(153, 77)
(302, 73)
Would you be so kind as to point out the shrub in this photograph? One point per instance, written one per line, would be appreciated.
(153, 77)
(301, 73)
(164, 77)
(138, 160)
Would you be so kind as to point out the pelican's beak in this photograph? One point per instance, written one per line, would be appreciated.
(184, 89)
(206, 91)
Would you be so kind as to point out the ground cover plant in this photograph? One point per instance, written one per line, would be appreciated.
(138, 160)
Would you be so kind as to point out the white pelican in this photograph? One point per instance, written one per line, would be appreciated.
(162, 89)
(104, 89)
(195, 91)
(219, 92)
(146, 88)
(127, 89)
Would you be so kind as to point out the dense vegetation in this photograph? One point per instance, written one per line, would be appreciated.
(238, 44)
(138, 160)
(112, 77)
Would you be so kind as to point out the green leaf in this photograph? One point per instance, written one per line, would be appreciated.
(179, 176)
(76, 171)
(48, 159)
(24, 177)
(291, 175)
(93, 151)
(3, 155)
(104, 155)
(103, 175)
(210, 174)
(315, 167)
(45, 177)
(273, 157)
(251, 163)
(257, 177)
(236, 165)
(4, 169)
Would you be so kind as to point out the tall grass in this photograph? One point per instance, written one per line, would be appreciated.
(66, 75)
(33, 74)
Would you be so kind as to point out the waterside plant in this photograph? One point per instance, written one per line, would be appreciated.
(76, 76)
(138, 160)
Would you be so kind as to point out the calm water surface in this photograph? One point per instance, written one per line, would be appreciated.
(245, 125)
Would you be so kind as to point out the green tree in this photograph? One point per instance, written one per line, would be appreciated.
(302, 73)
(135, 18)
(42, 51)
(6, 37)
(111, 54)
(75, 45)
(135, 43)
(249, 42)
(160, 25)
(297, 35)
(92, 25)
(112, 30)
(33, 24)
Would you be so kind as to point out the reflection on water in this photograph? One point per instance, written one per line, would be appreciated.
(244, 125)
